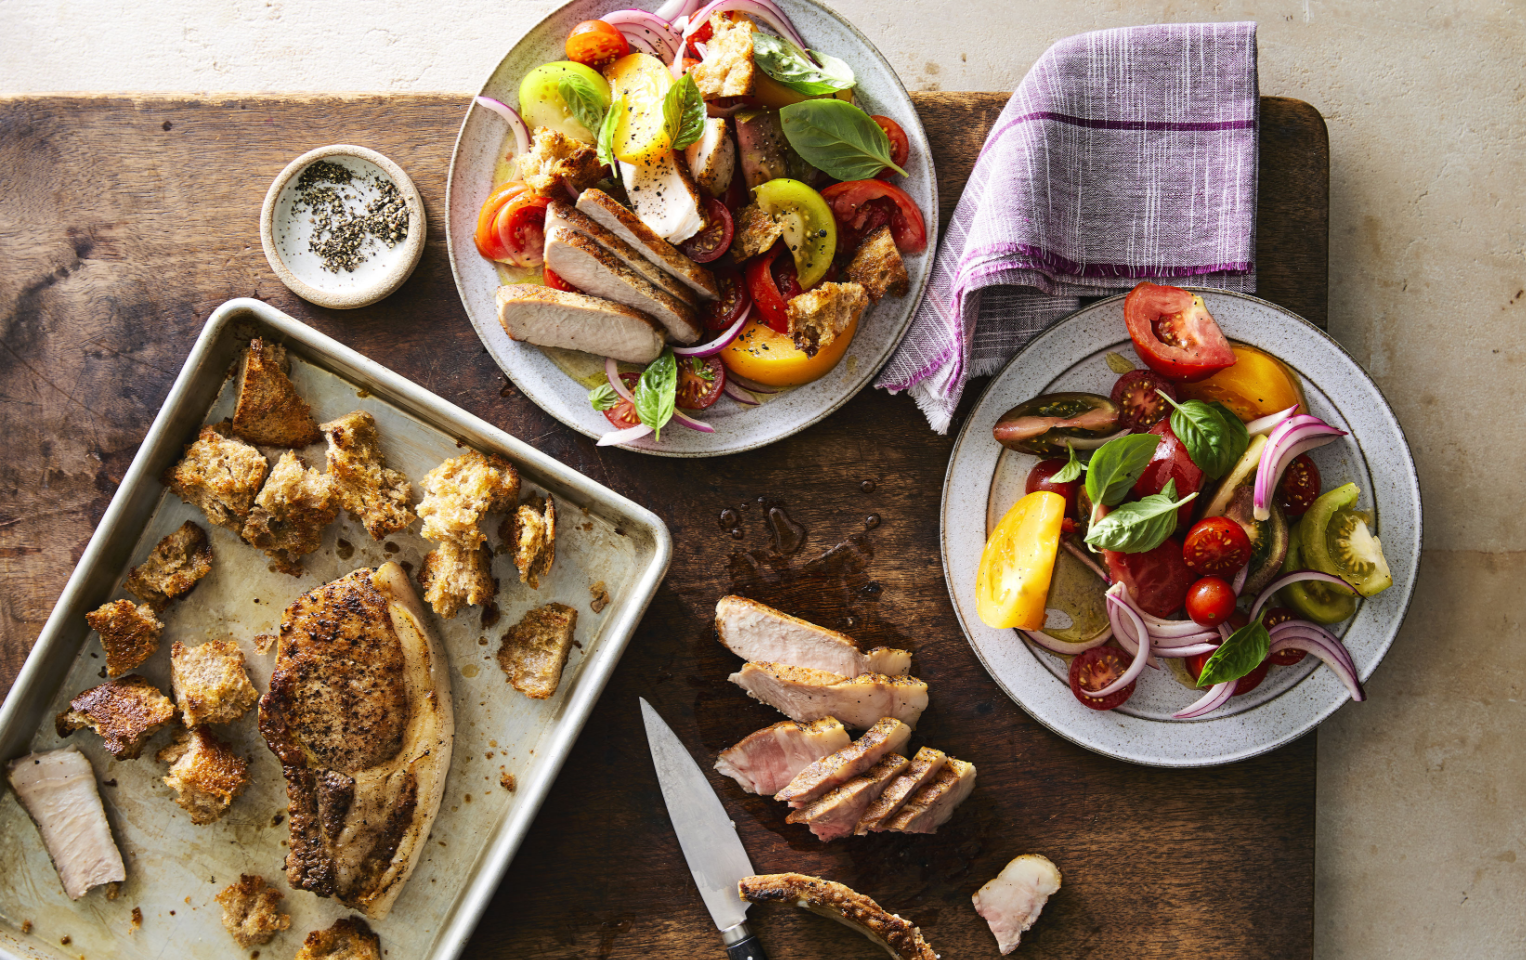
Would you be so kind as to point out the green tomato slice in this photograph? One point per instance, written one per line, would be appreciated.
(1337, 538)
(541, 103)
(810, 231)
(1321, 602)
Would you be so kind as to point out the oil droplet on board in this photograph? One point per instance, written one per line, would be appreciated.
(788, 535)
(736, 533)
(867, 486)
(729, 518)
(871, 521)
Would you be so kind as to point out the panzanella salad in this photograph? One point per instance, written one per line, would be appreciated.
(694, 195)
(1179, 518)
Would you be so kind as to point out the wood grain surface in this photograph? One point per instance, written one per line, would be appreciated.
(125, 221)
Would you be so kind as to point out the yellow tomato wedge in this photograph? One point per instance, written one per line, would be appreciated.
(1257, 385)
(641, 133)
(1013, 582)
(759, 353)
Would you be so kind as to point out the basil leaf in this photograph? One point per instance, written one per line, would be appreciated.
(1116, 465)
(1214, 437)
(657, 392)
(785, 62)
(1239, 437)
(1141, 526)
(583, 101)
(1118, 363)
(1070, 471)
(603, 397)
(683, 113)
(1239, 655)
(606, 135)
(837, 138)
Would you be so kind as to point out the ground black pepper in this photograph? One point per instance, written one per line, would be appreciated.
(331, 194)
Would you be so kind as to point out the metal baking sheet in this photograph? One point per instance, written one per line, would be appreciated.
(175, 868)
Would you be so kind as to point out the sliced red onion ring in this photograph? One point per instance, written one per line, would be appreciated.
(1066, 648)
(691, 423)
(1312, 631)
(516, 122)
(1124, 630)
(753, 386)
(1162, 644)
(738, 394)
(1289, 439)
(1265, 424)
(1238, 584)
(1294, 577)
(674, 9)
(651, 33)
(764, 10)
(624, 436)
(1226, 631)
(612, 373)
(1140, 658)
(1182, 653)
(719, 343)
(1216, 697)
(1321, 649)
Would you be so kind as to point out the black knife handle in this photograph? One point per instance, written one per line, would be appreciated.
(746, 949)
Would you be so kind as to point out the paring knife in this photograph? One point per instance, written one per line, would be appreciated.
(708, 837)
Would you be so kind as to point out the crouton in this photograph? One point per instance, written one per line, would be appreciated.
(821, 315)
(460, 492)
(220, 475)
(454, 576)
(205, 773)
(129, 634)
(173, 567)
(530, 531)
(727, 69)
(756, 231)
(350, 938)
(124, 713)
(250, 912)
(369, 491)
(878, 268)
(289, 515)
(535, 649)
(269, 410)
(554, 159)
(210, 683)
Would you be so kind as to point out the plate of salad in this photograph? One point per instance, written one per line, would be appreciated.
(691, 229)
(1181, 527)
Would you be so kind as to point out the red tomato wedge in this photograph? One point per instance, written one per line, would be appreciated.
(486, 237)
(521, 229)
(555, 281)
(1157, 579)
(772, 287)
(1171, 461)
(847, 201)
(595, 43)
(1174, 334)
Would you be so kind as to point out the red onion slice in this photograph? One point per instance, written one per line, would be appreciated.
(1239, 582)
(1216, 697)
(1332, 659)
(738, 394)
(691, 423)
(1313, 631)
(1290, 438)
(674, 9)
(612, 373)
(1140, 658)
(1265, 424)
(720, 343)
(516, 122)
(1066, 648)
(753, 386)
(647, 31)
(762, 9)
(624, 436)
(1182, 653)
(1294, 577)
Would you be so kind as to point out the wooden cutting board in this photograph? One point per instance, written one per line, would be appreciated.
(125, 221)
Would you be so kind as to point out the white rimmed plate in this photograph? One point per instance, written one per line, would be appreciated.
(737, 428)
(984, 480)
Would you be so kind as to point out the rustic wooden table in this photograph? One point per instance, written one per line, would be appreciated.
(124, 222)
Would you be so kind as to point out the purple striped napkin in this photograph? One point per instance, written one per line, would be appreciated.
(1124, 155)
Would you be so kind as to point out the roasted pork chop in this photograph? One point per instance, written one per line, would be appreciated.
(918, 774)
(929, 808)
(766, 761)
(359, 714)
(757, 632)
(836, 814)
(887, 736)
(804, 694)
(57, 789)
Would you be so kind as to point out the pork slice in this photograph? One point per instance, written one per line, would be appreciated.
(887, 736)
(929, 808)
(712, 158)
(836, 814)
(756, 632)
(664, 196)
(58, 790)
(574, 321)
(564, 214)
(592, 269)
(893, 933)
(803, 694)
(918, 774)
(1012, 902)
(617, 219)
(766, 761)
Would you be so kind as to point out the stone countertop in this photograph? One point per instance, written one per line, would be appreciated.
(1425, 105)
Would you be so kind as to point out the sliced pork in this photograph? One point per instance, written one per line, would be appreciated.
(58, 790)
(563, 214)
(898, 936)
(1012, 902)
(918, 774)
(712, 158)
(929, 808)
(596, 271)
(756, 632)
(612, 216)
(804, 694)
(572, 321)
(887, 736)
(766, 761)
(664, 196)
(838, 812)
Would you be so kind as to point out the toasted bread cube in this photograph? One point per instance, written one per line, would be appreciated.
(220, 475)
(269, 410)
(460, 492)
(251, 914)
(727, 70)
(173, 567)
(454, 576)
(535, 649)
(290, 513)
(369, 491)
(530, 531)
(878, 268)
(124, 712)
(205, 772)
(756, 231)
(821, 315)
(555, 158)
(129, 633)
(350, 938)
(211, 685)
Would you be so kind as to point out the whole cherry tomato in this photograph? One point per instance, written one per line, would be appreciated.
(1216, 547)
(1210, 601)
(595, 43)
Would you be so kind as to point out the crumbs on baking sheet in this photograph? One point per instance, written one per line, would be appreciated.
(600, 594)
(275, 821)
(264, 642)
(506, 780)
(137, 918)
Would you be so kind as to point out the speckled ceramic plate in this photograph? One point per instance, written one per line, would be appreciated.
(984, 480)
(737, 428)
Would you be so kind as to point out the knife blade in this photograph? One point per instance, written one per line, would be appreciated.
(706, 835)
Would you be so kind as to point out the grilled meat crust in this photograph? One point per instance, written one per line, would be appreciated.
(124, 712)
(842, 904)
(173, 568)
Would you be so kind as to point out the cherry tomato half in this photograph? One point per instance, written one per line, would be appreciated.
(555, 281)
(1039, 479)
(1157, 579)
(714, 238)
(521, 229)
(703, 35)
(1299, 487)
(595, 43)
(906, 223)
(486, 237)
(1274, 616)
(1216, 547)
(699, 382)
(1096, 669)
(771, 281)
(1171, 461)
(623, 414)
(734, 297)
(1210, 601)
(900, 144)
(1139, 406)
(1174, 334)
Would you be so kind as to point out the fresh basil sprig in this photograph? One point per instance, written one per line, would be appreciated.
(603, 397)
(656, 392)
(683, 113)
(1141, 526)
(1239, 655)
(837, 138)
(1116, 466)
(606, 135)
(583, 101)
(1214, 437)
(1071, 470)
(785, 62)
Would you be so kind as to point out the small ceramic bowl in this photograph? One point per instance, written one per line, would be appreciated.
(287, 226)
